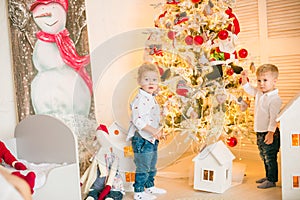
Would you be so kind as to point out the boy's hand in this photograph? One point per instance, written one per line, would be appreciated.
(156, 91)
(269, 138)
(244, 77)
(244, 73)
(158, 134)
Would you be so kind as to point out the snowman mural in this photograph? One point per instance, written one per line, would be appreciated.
(62, 86)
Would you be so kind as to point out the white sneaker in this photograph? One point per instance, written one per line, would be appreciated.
(155, 190)
(143, 196)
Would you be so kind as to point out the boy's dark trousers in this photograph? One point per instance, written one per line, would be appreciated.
(268, 153)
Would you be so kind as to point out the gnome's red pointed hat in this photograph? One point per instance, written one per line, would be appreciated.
(64, 3)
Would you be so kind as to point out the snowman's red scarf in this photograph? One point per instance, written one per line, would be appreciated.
(68, 53)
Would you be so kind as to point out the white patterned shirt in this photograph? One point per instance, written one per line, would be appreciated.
(267, 107)
(144, 111)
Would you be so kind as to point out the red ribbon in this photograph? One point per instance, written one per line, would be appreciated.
(68, 53)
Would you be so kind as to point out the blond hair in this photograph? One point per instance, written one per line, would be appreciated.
(268, 68)
(145, 67)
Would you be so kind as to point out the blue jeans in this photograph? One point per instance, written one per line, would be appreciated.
(145, 159)
(268, 153)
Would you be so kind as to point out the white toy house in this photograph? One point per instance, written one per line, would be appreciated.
(289, 119)
(213, 168)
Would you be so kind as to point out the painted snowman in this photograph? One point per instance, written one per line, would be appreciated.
(62, 86)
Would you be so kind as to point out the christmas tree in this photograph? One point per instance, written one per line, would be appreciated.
(195, 46)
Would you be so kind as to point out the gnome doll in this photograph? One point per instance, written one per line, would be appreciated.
(62, 85)
(102, 179)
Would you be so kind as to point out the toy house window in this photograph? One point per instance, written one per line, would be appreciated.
(296, 139)
(296, 180)
(208, 175)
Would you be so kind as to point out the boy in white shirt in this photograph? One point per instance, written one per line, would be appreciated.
(267, 107)
(144, 132)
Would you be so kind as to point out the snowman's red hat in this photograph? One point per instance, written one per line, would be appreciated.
(64, 3)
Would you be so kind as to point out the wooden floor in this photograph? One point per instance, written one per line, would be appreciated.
(181, 188)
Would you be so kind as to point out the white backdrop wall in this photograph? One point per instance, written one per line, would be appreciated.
(109, 18)
(106, 19)
(117, 40)
(7, 102)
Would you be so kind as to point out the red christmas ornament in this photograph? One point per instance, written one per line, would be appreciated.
(195, 1)
(232, 141)
(223, 35)
(171, 35)
(230, 72)
(198, 40)
(243, 53)
(189, 40)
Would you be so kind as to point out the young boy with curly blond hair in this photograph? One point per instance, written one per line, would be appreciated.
(145, 131)
(267, 107)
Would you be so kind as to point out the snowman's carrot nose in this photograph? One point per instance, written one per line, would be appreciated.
(44, 15)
